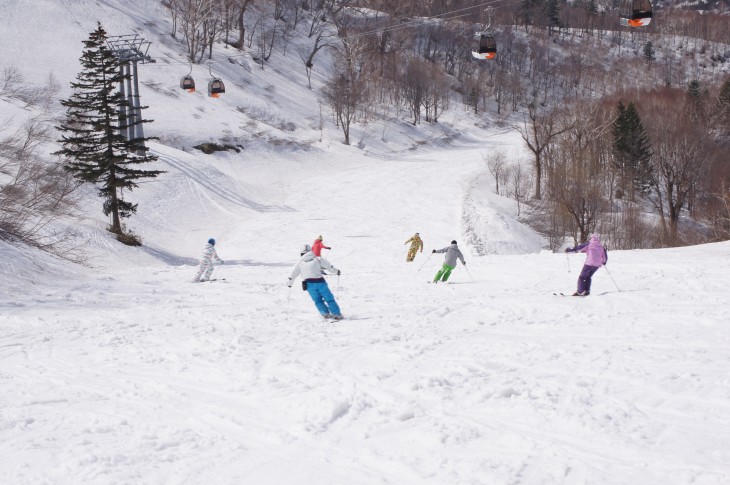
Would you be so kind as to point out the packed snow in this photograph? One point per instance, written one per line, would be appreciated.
(123, 371)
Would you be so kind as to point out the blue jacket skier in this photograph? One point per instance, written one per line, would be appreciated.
(310, 268)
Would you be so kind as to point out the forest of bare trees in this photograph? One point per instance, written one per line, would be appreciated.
(573, 83)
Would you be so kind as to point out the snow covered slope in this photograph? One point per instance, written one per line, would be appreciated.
(124, 372)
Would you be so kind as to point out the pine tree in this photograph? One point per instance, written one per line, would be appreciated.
(95, 149)
(649, 53)
(632, 149)
(552, 10)
(695, 101)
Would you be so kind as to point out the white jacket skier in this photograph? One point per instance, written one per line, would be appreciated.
(310, 268)
(207, 259)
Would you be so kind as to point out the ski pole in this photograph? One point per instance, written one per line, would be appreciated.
(424, 263)
(567, 260)
(614, 281)
(467, 270)
(288, 298)
(337, 288)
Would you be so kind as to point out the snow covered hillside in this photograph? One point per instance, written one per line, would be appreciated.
(123, 371)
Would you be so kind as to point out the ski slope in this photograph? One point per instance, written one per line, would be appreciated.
(129, 373)
(122, 371)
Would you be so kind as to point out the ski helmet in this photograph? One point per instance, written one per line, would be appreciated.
(211, 241)
(305, 249)
(453, 242)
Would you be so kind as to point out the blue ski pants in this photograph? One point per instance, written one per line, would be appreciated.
(323, 298)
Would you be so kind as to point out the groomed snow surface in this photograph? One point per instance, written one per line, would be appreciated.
(125, 372)
(128, 373)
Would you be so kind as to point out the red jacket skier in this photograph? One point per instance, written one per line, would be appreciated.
(318, 246)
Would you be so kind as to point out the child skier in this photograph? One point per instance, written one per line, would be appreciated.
(416, 244)
(207, 259)
(318, 246)
(310, 268)
(596, 256)
(452, 252)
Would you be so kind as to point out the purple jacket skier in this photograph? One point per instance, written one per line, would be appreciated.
(596, 256)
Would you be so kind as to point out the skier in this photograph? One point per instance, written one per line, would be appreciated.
(318, 246)
(452, 252)
(207, 259)
(596, 256)
(310, 267)
(416, 244)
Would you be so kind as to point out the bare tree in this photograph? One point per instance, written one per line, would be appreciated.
(34, 193)
(680, 160)
(345, 92)
(520, 184)
(545, 124)
(497, 166)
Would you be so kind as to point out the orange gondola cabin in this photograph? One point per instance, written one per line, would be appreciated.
(216, 88)
(485, 47)
(188, 84)
(635, 13)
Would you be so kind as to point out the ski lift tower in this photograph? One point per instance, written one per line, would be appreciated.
(129, 50)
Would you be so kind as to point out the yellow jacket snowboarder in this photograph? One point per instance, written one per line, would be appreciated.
(416, 244)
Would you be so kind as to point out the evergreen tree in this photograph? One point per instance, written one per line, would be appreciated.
(95, 148)
(695, 101)
(632, 149)
(649, 53)
(552, 11)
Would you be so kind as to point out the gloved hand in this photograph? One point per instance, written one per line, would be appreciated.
(339, 272)
(433, 251)
(222, 262)
(568, 250)
(464, 263)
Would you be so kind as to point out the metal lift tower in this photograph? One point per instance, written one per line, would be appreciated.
(131, 49)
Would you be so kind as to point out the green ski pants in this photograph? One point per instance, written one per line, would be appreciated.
(444, 273)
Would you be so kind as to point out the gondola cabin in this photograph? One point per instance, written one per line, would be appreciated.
(485, 47)
(216, 87)
(635, 13)
(188, 84)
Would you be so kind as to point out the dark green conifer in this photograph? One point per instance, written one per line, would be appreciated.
(632, 149)
(95, 148)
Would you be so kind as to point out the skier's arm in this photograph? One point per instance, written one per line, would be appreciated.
(293, 275)
(441, 250)
(578, 248)
(328, 266)
(461, 257)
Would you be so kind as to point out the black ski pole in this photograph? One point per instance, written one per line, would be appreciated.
(614, 281)
(467, 270)
(424, 263)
